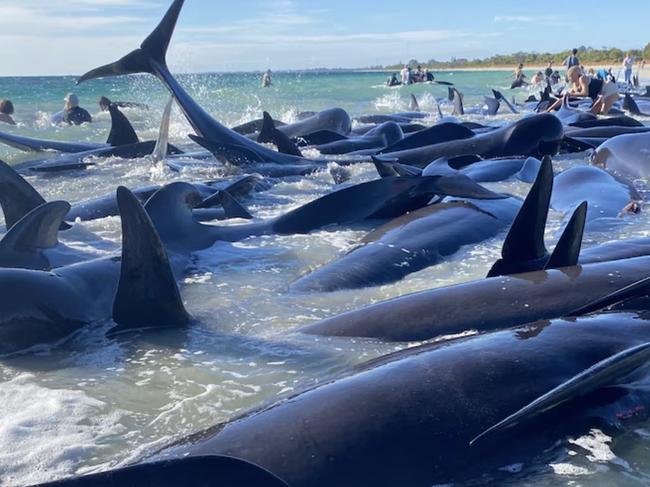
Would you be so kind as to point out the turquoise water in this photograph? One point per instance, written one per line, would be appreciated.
(93, 403)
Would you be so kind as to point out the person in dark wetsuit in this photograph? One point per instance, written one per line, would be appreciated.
(603, 93)
(73, 114)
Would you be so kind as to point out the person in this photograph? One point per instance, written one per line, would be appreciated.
(572, 60)
(73, 114)
(538, 78)
(419, 75)
(555, 78)
(267, 81)
(628, 66)
(520, 78)
(428, 75)
(603, 93)
(519, 72)
(548, 72)
(393, 81)
(6, 112)
(406, 75)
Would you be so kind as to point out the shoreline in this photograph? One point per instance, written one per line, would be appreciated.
(499, 68)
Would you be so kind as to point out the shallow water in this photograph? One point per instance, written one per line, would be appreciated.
(92, 402)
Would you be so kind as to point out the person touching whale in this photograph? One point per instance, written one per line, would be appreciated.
(603, 93)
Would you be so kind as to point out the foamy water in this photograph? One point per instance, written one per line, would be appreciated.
(92, 403)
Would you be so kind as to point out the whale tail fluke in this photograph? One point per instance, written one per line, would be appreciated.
(232, 207)
(38, 230)
(567, 250)
(524, 249)
(147, 293)
(152, 50)
(188, 471)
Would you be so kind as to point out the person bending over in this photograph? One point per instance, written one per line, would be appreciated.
(603, 93)
(73, 114)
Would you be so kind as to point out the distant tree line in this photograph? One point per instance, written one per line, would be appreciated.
(587, 55)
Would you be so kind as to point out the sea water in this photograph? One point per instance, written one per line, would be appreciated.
(92, 403)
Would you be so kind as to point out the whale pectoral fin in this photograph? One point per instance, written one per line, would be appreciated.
(36, 231)
(162, 143)
(493, 105)
(17, 196)
(524, 249)
(635, 290)
(232, 207)
(604, 373)
(122, 132)
(236, 155)
(147, 293)
(567, 250)
(189, 472)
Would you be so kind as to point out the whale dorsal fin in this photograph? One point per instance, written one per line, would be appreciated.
(271, 134)
(385, 169)
(524, 248)
(567, 250)
(122, 132)
(630, 105)
(147, 293)
(459, 109)
(162, 143)
(604, 373)
(17, 196)
(38, 230)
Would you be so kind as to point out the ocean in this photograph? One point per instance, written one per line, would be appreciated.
(92, 403)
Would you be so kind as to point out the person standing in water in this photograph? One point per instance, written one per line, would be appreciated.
(628, 66)
(6, 112)
(267, 82)
(73, 114)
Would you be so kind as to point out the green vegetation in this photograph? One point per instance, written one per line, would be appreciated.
(588, 56)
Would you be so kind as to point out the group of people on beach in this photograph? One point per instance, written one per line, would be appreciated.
(408, 76)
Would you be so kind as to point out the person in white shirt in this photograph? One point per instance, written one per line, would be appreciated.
(406, 75)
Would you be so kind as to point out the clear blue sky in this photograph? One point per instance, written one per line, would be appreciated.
(71, 36)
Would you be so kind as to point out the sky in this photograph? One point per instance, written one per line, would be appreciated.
(55, 37)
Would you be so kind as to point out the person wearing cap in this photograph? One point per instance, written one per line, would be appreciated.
(73, 114)
(6, 112)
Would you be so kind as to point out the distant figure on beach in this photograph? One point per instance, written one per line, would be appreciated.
(6, 112)
(628, 66)
(520, 78)
(393, 81)
(72, 113)
(267, 81)
(603, 93)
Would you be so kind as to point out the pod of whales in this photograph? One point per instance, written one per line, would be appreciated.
(553, 342)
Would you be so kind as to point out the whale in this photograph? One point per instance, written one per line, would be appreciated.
(608, 196)
(382, 136)
(373, 201)
(441, 414)
(121, 133)
(334, 120)
(137, 288)
(626, 155)
(18, 197)
(150, 59)
(536, 135)
(487, 171)
(525, 285)
(412, 242)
